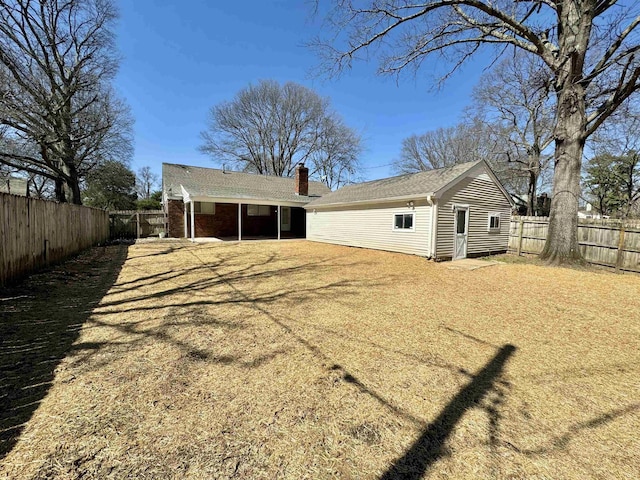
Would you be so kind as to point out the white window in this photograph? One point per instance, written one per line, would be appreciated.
(258, 210)
(493, 224)
(204, 207)
(403, 221)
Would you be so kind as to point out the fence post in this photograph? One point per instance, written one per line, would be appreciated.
(520, 236)
(620, 259)
(137, 224)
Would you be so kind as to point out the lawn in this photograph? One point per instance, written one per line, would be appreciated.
(303, 360)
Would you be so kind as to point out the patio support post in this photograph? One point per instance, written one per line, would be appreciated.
(193, 222)
(186, 229)
(278, 222)
(239, 221)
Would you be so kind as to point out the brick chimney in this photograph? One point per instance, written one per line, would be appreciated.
(302, 180)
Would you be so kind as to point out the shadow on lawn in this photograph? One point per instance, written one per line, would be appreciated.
(177, 282)
(159, 294)
(430, 446)
(40, 319)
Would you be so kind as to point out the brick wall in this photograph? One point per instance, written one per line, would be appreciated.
(302, 180)
(175, 219)
(223, 224)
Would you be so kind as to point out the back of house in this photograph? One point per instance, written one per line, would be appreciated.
(208, 202)
(449, 213)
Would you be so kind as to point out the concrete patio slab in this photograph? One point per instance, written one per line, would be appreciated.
(470, 264)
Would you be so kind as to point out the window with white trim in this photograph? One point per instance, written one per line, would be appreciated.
(493, 223)
(208, 208)
(403, 221)
(258, 210)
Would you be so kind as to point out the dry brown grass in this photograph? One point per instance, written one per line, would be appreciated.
(302, 360)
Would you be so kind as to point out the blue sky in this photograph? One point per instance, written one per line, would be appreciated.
(182, 57)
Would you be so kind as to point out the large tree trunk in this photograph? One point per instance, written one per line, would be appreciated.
(71, 184)
(561, 246)
(532, 193)
(60, 191)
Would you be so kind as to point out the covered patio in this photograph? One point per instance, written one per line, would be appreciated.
(221, 204)
(232, 219)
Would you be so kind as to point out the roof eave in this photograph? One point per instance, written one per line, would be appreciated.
(188, 197)
(311, 205)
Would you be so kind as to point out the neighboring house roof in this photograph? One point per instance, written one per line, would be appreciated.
(402, 187)
(216, 183)
(14, 185)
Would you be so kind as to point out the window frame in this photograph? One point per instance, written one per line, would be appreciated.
(490, 216)
(197, 208)
(258, 207)
(413, 222)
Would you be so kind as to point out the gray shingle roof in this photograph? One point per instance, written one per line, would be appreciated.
(403, 186)
(212, 182)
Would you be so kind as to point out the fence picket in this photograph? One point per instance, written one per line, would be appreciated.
(136, 224)
(34, 233)
(612, 243)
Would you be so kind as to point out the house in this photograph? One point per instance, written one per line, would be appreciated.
(589, 213)
(541, 204)
(209, 202)
(14, 185)
(449, 213)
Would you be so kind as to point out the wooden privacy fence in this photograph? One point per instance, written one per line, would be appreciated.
(611, 243)
(134, 224)
(35, 233)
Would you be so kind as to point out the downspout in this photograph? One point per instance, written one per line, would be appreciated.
(434, 226)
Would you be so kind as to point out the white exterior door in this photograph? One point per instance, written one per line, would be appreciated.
(285, 219)
(461, 226)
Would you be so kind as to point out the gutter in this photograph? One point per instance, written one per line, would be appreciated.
(311, 206)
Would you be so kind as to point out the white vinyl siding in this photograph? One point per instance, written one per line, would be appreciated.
(372, 227)
(484, 197)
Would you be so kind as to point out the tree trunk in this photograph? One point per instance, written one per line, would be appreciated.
(561, 246)
(71, 184)
(60, 190)
(531, 200)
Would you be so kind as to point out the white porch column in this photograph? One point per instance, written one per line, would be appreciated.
(193, 222)
(186, 230)
(278, 222)
(239, 221)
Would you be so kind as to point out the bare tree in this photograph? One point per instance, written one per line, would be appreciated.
(60, 114)
(38, 186)
(469, 141)
(443, 147)
(515, 103)
(146, 182)
(589, 46)
(335, 161)
(269, 129)
(427, 151)
(41, 187)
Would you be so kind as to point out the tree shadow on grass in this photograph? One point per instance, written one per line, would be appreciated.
(169, 315)
(40, 319)
(430, 446)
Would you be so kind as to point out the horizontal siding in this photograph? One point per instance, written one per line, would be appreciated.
(483, 196)
(371, 227)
